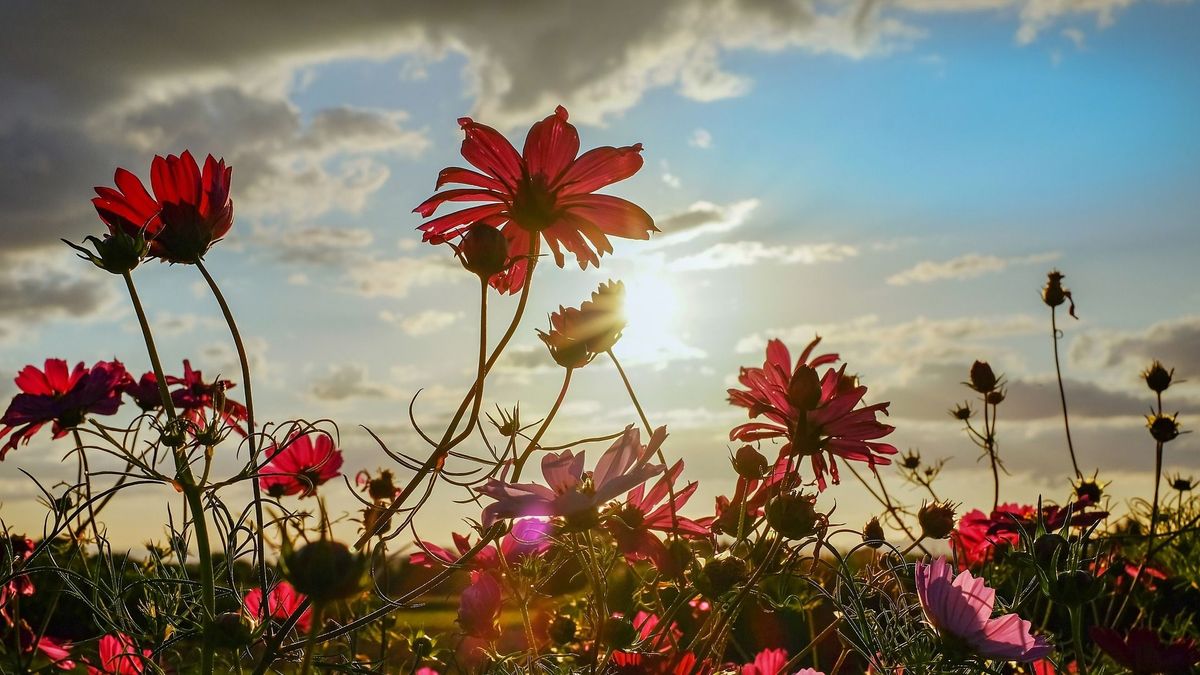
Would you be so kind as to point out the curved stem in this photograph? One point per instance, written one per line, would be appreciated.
(1062, 394)
(260, 547)
(650, 432)
(562, 393)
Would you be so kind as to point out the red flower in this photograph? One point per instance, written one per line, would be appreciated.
(978, 534)
(196, 396)
(300, 465)
(814, 415)
(633, 523)
(189, 212)
(281, 602)
(528, 537)
(653, 646)
(767, 662)
(1141, 651)
(546, 190)
(58, 650)
(60, 396)
(119, 656)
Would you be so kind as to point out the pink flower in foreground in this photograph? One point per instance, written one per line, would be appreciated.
(57, 650)
(633, 523)
(301, 464)
(961, 607)
(653, 646)
(546, 191)
(281, 602)
(1142, 652)
(528, 537)
(479, 607)
(64, 398)
(120, 656)
(814, 415)
(767, 662)
(573, 494)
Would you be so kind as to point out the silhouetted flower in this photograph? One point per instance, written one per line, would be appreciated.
(1164, 428)
(578, 335)
(197, 396)
(1142, 652)
(1157, 377)
(983, 379)
(282, 601)
(936, 519)
(64, 398)
(1054, 294)
(300, 464)
(144, 391)
(545, 191)
(873, 534)
(814, 415)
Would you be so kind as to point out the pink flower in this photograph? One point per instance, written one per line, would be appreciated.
(120, 656)
(573, 494)
(962, 607)
(633, 523)
(281, 602)
(815, 416)
(479, 607)
(546, 191)
(301, 464)
(528, 537)
(57, 650)
(196, 396)
(767, 662)
(653, 646)
(1142, 652)
(64, 398)
(978, 535)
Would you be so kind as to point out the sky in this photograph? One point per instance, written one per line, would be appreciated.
(897, 177)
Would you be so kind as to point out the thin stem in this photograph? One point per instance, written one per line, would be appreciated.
(310, 643)
(87, 489)
(989, 444)
(650, 432)
(1062, 394)
(260, 547)
(1077, 638)
(533, 442)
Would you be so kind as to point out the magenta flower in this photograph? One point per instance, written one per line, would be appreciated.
(1141, 651)
(281, 602)
(633, 523)
(479, 607)
(528, 537)
(767, 662)
(196, 396)
(962, 607)
(816, 416)
(144, 391)
(64, 398)
(58, 650)
(120, 656)
(653, 647)
(301, 464)
(573, 494)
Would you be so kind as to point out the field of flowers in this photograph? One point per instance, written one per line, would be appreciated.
(586, 556)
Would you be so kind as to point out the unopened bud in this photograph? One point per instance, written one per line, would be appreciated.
(750, 463)
(983, 380)
(1157, 377)
(1164, 429)
(873, 534)
(325, 571)
(483, 250)
(936, 519)
(794, 516)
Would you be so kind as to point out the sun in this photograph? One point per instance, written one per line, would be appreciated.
(652, 311)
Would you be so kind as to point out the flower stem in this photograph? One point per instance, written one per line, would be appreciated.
(650, 432)
(1062, 394)
(310, 643)
(562, 393)
(260, 548)
(1077, 638)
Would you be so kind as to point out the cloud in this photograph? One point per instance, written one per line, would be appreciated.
(1034, 15)
(1173, 342)
(701, 219)
(423, 323)
(347, 381)
(36, 290)
(701, 138)
(313, 245)
(744, 253)
(396, 277)
(966, 266)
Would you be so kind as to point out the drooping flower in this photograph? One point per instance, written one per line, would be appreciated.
(282, 601)
(120, 656)
(573, 494)
(189, 211)
(960, 609)
(528, 537)
(479, 607)
(1143, 652)
(58, 650)
(815, 416)
(300, 464)
(547, 191)
(634, 523)
(197, 396)
(64, 398)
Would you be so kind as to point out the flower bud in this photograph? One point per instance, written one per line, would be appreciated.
(562, 629)
(721, 574)
(422, 645)
(1157, 377)
(911, 460)
(1075, 588)
(325, 571)
(174, 433)
(936, 519)
(382, 487)
(1047, 546)
(231, 630)
(983, 380)
(750, 463)
(1053, 293)
(995, 397)
(961, 412)
(794, 516)
(116, 253)
(873, 534)
(1164, 429)
(1183, 484)
(618, 632)
(483, 250)
(804, 389)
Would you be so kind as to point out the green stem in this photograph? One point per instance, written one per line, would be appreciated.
(533, 442)
(1077, 638)
(650, 432)
(1062, 393)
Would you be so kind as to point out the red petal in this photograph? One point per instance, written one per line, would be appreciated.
(612, 215)
(599, 167)
(455, 174)
(551, 146)
(439, 226)
(489, 151)
(430, 205)
(33, 381)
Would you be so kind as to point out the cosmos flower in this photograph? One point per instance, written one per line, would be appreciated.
(960, 608)
(281, 602)
(528, 537)
(64, 398)
(816, 416)
(120, 656)
(573, 494)
(479, 606)
(189, 211)
(546, 191)
(767, 662)
(653, 649)
(303, 462)
(633, 523)
(578, 334)
(1142, 652)
(58, 650)
(144, 391)
(978, 534)
(196, 396)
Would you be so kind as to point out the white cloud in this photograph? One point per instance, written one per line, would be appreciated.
(396, 277)
(743, 253)
(966, 266)
(348, 381)
(701, 219)
(701, 138)
(422, 323)
(1175, 342)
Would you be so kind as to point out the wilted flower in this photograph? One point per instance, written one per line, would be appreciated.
(962, 606)
(1157, 377)
(573, 494)
(189, 212)
(64, 398)
(815, 415)
(1143, 652)
(546, 191)
(297, 467)
(936, 519)
(282, 601)
(983, 380)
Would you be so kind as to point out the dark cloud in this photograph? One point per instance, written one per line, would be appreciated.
(1175, 342)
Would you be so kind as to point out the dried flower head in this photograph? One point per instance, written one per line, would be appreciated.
(1054, 294)
(983, 379)
(1157, 377)
(937, 519)
(873, 534)
(1164, 428)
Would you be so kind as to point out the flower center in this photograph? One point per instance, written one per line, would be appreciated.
(533, 205)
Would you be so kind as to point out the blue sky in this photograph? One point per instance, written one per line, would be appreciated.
(902, 193)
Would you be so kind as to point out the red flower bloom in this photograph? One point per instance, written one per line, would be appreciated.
(189, 212)
(60, 396)
(528, 537)
(814, 415)
(1142, 652)
(196, 396)
(120, 656)
(281, 602)
(653, 646)
(144, 391)
(633, 523)
(300, 465)
(546, 190)
(767, 662)
(58, 650)
(479, 607)
(978, 534)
